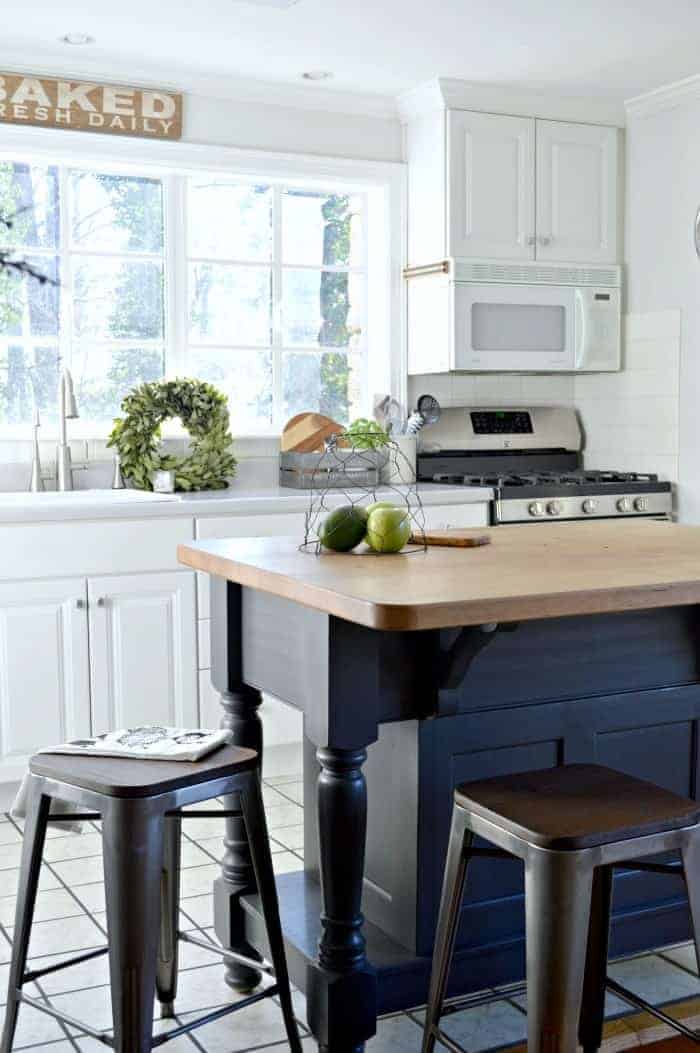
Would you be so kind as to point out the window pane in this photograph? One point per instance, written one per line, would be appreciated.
(103, 377)
(322, 308)
(228, 220)
(29, 307)
(115, 213)
(117, 299)
(329, 382)
(322, 229)
(22, 369)
(230, 305)
(245, 377)
(29, 197)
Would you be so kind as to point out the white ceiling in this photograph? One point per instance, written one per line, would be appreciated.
(605, 48)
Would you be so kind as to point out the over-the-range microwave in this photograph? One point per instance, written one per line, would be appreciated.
(532, 318)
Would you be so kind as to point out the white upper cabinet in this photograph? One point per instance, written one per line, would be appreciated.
(577, 180)
(143, 650)
(44, 667)
(491, 200)
(496, 187)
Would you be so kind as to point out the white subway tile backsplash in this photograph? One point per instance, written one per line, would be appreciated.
(630, 419)
(552, 389)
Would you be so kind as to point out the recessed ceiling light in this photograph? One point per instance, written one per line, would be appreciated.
(77, 39)
(317, 74)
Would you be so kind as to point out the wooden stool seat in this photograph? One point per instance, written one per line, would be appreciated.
(577, 806)
(124, 777)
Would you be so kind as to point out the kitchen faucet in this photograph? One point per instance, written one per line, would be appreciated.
(67, 410)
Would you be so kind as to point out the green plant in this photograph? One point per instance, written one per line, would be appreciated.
(365, 434)
(203, 411)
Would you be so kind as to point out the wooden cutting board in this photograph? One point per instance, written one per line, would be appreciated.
(307, 432)
(452, 538)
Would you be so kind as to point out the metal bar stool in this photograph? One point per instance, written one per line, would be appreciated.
(571, 826)
(140, 804)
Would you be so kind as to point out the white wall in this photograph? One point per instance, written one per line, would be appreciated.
(663, 270)
(288, 129)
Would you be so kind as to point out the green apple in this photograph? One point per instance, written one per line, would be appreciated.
(378, 504)
(388, 529)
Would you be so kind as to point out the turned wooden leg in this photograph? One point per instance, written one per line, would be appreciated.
(237, 874)
(342, 985)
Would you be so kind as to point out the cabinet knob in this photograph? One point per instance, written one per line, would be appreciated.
(531, 239)
(80, 604)
(545, 241)
(101, 601)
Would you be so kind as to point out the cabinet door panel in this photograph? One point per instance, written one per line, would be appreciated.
(143, 650)
(44, 683)
(492, 191)
(576, 192)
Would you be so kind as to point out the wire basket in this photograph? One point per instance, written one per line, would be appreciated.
(340, 478)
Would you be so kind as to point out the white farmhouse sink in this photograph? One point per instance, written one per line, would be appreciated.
(73, 498)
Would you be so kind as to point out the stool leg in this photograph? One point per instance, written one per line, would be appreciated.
(558, 888)
(132, 844)
(690, 855)
(166, 975)
(590, 1031)
(38, 806)
(448, 922)
(258, 839)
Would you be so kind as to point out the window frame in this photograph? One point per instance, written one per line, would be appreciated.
(383, 183)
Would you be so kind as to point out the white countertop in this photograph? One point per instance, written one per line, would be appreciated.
(237, 500)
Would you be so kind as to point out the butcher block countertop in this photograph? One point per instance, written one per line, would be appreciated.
(528, 571)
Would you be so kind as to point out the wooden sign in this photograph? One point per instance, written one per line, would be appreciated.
(89, 107)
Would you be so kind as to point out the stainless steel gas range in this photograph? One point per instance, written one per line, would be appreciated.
(532, 458)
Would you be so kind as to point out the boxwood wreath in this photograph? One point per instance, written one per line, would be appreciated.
(203, 411)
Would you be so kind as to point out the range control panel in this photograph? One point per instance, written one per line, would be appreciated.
(501, 422)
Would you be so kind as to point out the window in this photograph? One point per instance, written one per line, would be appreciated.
(260, 287)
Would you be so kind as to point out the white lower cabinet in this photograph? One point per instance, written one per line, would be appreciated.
(143, 650)
(81, 656)
(44, 668)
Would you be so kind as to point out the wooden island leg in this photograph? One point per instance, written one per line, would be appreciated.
(342, 985)
(240, 704)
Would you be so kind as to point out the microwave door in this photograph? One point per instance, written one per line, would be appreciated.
(510, 328)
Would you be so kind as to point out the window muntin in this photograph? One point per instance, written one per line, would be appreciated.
(260, 288)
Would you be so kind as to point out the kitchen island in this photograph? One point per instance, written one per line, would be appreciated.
(555, 643)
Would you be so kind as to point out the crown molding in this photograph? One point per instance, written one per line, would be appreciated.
(446, 93)
(667, 97)
(221, 87)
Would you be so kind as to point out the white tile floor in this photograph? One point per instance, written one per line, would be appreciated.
(70, 918)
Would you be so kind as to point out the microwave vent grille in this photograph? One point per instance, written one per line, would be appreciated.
(533, 274)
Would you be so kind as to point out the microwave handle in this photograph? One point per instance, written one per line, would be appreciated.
(580, 334)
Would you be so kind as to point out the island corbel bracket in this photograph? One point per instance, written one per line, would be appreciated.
(471, 641)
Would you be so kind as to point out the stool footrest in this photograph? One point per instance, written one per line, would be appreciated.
(105, 1037)
(35, 974)
(641, 1003)
(216, 1014)
(227, 955)
(100, 1036)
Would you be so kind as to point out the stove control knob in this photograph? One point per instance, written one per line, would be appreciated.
(641, 504)
(536, 508)
(554, 508)
(589, 506)
(624, 505)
